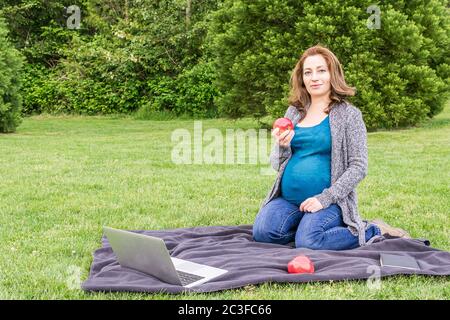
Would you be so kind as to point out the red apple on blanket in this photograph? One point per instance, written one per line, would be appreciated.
(283, 124)
(301, 264)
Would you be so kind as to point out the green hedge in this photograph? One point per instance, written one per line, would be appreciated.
(122, 61)
(234, 59)
(10, 99)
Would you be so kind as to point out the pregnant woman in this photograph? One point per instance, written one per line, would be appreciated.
(320, 162)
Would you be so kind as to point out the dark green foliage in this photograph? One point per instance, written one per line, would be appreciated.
(196, 91)
(234, 58)
(128, 55)
(401, 71)
(38, 27)
(10, 99)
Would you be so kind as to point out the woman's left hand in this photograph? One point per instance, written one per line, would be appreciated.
(310, 205)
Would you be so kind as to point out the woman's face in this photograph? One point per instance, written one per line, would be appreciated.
(316, 76)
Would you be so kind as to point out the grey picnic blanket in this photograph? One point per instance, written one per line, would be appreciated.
(249, 262)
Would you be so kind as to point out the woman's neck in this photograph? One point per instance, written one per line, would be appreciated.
(319, 104)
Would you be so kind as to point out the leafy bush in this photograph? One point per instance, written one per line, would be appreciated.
(128, 55)
(190, 94)
(196, 91)
(10, 99)
(401, 70)
(233, 59)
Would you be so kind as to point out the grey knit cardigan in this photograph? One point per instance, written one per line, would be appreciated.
(349, 160)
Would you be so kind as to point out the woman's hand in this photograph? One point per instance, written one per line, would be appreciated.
(283, 139)
(310, 205)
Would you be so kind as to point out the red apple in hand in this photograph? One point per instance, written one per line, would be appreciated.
(283, 124)
(301, 264)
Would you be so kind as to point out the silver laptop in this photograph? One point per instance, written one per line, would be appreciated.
(150, 255)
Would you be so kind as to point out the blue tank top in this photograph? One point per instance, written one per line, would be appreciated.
(308, 171)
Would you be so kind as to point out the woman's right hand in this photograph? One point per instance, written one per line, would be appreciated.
(283, 139)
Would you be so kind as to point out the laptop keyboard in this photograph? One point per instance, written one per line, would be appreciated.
(187, 278)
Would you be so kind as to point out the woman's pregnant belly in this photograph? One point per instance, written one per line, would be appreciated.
(305, 177)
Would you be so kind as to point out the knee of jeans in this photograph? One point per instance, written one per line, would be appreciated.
(261, 234)
(264, 233)
(309, 241)
(259, 229)
(257, 233)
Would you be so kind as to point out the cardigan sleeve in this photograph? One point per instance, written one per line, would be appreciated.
(279, 154)
(356, 137)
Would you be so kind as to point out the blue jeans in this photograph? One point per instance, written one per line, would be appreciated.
(282, 222)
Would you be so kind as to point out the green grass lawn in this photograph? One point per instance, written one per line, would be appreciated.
(63, 178)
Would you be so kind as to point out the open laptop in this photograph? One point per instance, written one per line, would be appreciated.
(150, 255)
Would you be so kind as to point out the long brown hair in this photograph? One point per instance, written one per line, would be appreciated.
(299, 96)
